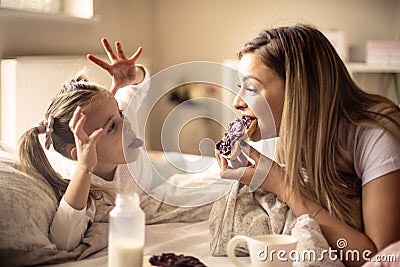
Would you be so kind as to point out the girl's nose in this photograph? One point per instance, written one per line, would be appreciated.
(127, 126)
(239, 103)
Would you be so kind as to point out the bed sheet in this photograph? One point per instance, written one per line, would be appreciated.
(181, 238)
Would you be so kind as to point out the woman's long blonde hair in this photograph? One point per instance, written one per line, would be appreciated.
(78, 92)
(321, 101)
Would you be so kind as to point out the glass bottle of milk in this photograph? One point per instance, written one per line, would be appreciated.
(126, 232)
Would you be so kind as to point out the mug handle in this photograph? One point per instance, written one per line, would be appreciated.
(231, 248)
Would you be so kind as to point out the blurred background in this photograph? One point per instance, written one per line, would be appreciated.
(56, 35)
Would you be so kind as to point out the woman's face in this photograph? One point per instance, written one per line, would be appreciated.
(104, 113)
(261, 96)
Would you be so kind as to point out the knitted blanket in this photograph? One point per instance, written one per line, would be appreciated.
(261, 212)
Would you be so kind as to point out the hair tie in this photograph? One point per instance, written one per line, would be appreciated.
(46, 127)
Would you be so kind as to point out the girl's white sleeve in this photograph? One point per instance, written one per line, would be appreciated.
(69, 225)
(129, 99)
(133, 95)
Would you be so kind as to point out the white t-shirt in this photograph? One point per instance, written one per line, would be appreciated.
(375, 152)
(69, 225)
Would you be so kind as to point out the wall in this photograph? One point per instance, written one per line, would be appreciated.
(217, 29)
(398, 20)
(28, 34)
(24, 34)
(177, 31)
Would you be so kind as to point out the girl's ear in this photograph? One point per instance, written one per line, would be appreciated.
(74, 153)
(71, 149)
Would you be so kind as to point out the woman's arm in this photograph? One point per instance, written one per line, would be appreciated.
(380, 205)
(379, 231)
(380, 202)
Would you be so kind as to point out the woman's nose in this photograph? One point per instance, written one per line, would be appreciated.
(239, 103)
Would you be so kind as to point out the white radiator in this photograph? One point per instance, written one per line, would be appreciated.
(28, 83)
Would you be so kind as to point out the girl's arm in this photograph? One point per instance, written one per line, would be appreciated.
(72, 217)
(380, 201)
(69, 225)
(85, 154)
(123, 70)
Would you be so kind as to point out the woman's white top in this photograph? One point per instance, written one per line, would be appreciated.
(69, 225)
(375, 152)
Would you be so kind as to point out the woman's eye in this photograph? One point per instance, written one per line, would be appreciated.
(121, 114)
(247, 88)
(251, 89)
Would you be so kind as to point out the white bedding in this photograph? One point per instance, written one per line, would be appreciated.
(163, 235)
(181, 238)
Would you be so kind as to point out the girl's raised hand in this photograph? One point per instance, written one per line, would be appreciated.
(122, 69)
(85, 144)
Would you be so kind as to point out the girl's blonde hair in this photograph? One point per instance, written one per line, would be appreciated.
(78, 92)
(321, 101)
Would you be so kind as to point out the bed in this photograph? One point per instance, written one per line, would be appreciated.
(28, 205)
(180, 238)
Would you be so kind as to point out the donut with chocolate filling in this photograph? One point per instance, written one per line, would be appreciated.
(238, 129)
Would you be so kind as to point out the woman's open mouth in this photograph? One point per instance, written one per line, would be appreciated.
(247, 120)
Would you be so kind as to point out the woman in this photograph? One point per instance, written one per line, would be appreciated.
(347, 140)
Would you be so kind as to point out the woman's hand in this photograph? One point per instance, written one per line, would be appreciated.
(122, 69)
(261, 173)
(85, 144)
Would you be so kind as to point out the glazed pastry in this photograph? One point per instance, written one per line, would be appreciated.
(238, 129)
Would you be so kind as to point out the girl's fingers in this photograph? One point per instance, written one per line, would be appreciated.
(96, 135)
(108, 49)
(80, 123)
(99, 62)
(135, 56)
(75, 118)
(120, 51)
(79, 132)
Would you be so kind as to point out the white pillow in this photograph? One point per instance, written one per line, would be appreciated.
(28, 204)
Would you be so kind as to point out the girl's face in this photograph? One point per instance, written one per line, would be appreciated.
(104, 113)
(261, 96)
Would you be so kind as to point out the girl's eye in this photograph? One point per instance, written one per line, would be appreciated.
(121, 114)
(112, 127)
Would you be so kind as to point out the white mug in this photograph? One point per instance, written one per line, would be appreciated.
(265, 250)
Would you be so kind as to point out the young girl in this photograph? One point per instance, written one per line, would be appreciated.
(85, 123)
(347, 140)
